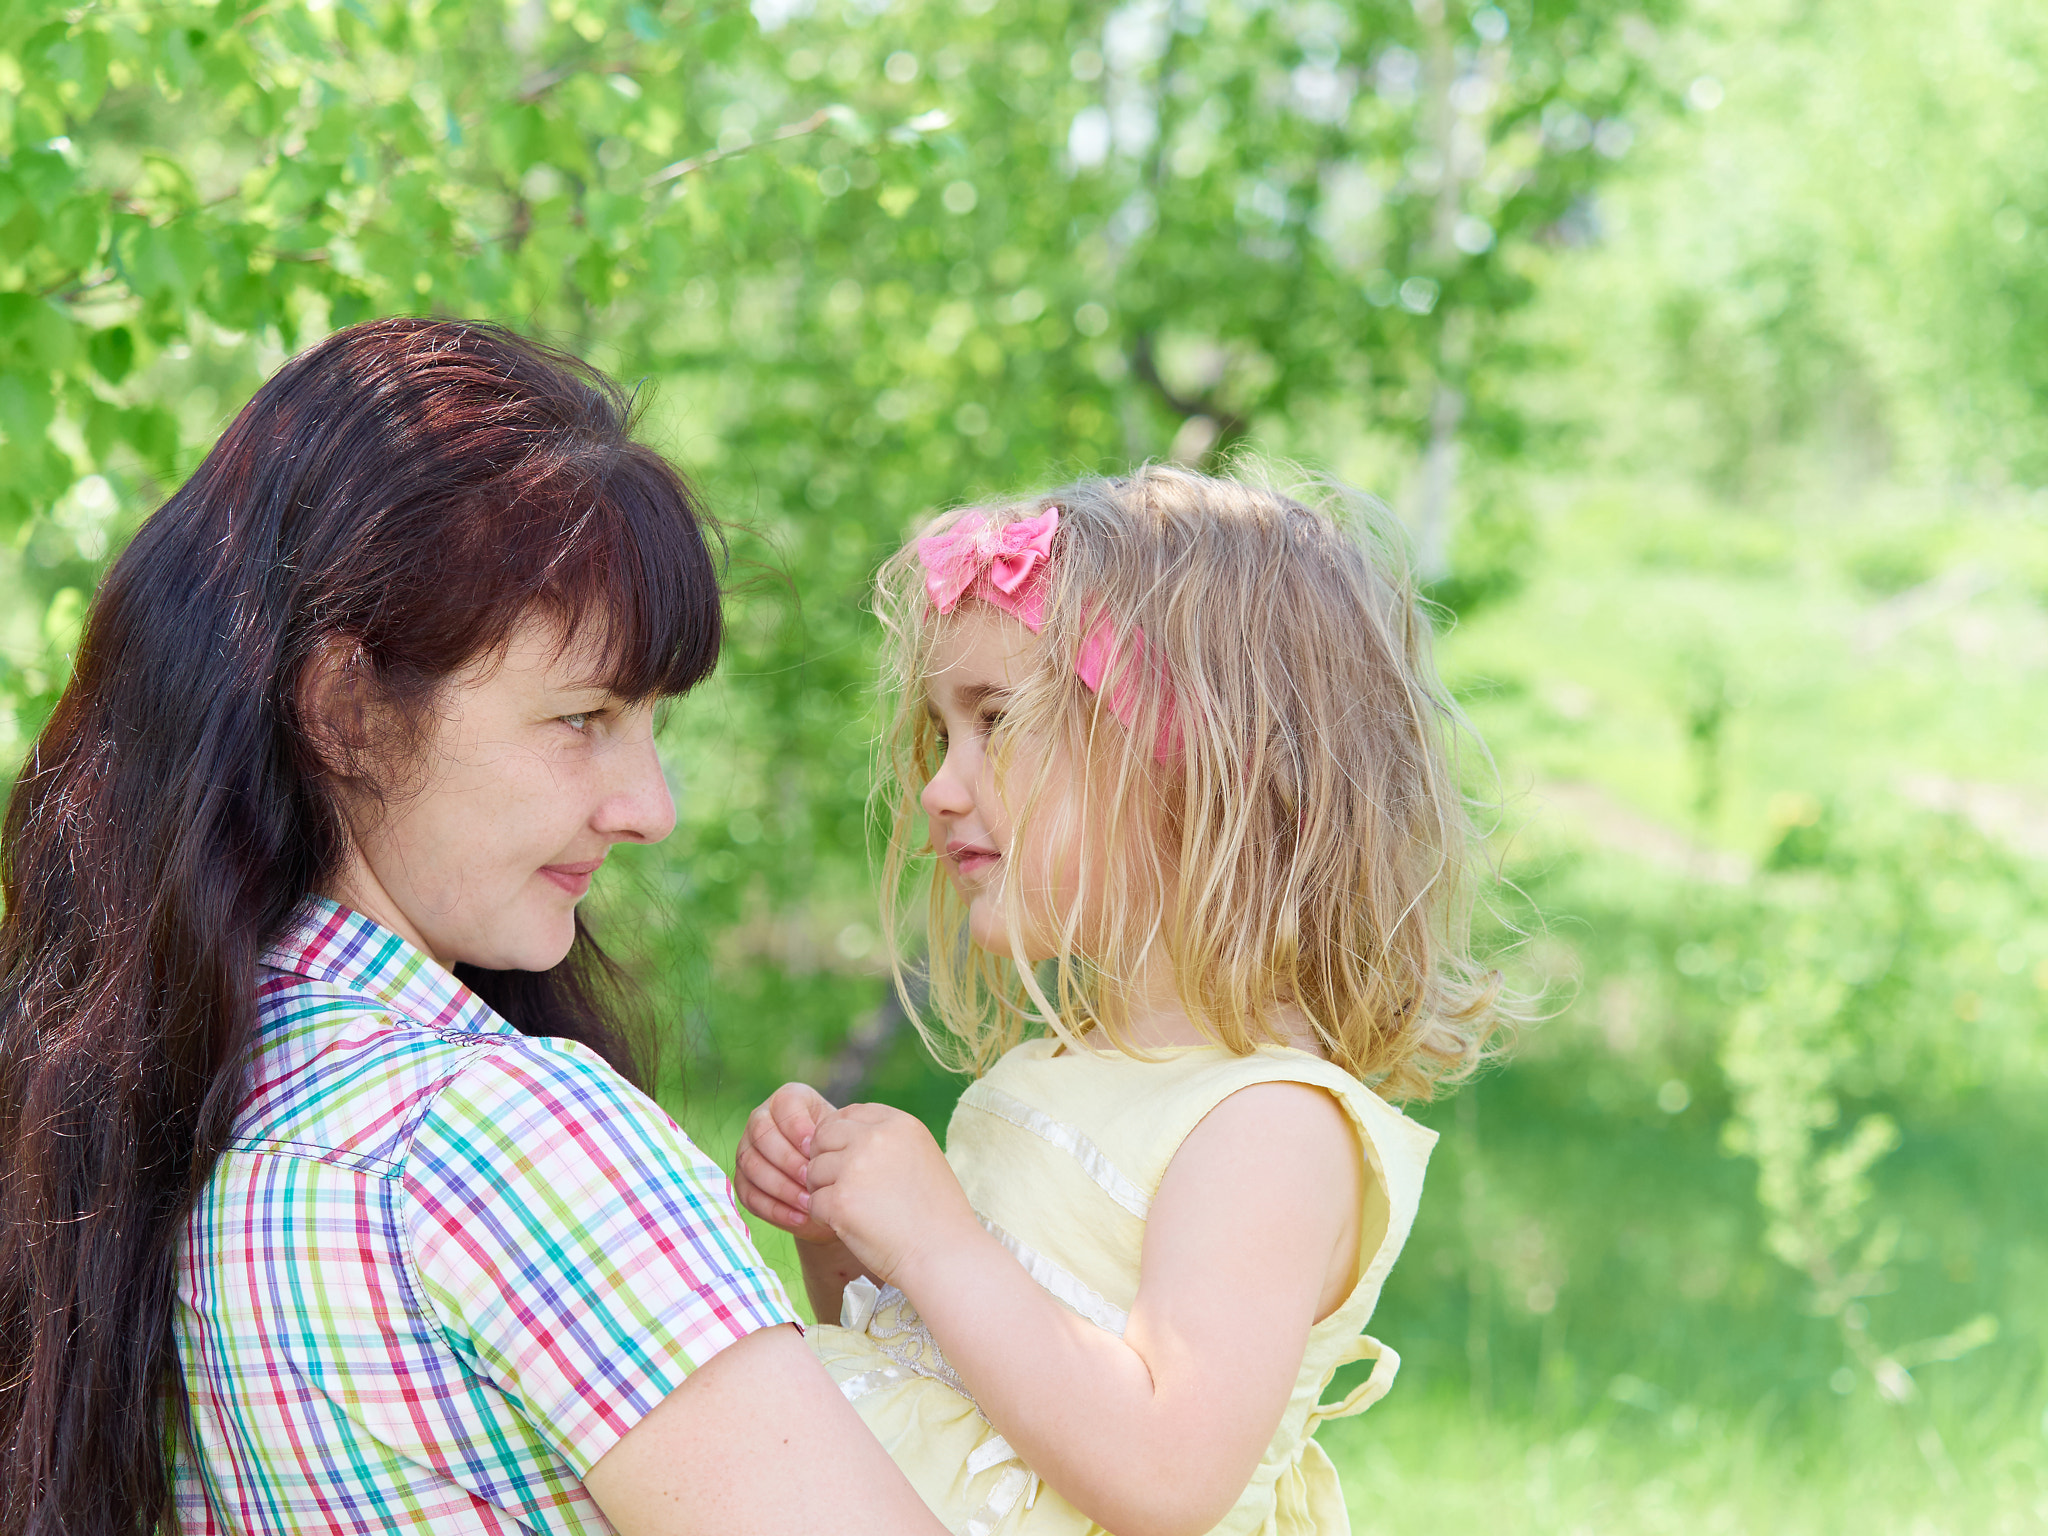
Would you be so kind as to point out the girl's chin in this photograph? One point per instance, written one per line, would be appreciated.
(994, 937)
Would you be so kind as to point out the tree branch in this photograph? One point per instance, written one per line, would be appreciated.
(538, 85)
(1230, 424)
(682, 168)
(866, 1043)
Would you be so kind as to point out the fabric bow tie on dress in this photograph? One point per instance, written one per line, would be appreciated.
(1006, 567)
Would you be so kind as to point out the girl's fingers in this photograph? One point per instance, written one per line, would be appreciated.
(771, 1181)
(840, 1129)
(796, 1109)
(777, 1153)
(775, 1212)
(768, 1138)
(823, 1169)
(822, 1213)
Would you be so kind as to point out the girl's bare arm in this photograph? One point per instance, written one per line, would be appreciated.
(1253, 1235)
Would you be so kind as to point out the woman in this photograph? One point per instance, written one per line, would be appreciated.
(326, 1201)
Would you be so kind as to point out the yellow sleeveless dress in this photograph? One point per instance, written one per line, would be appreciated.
(1060, 1154)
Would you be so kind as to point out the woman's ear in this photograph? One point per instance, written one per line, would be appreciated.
(334, 702)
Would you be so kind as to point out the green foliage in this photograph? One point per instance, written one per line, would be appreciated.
(1495, 546)
(876, 260)
(1722, 295)
(1751, 1200)
(1846, 246)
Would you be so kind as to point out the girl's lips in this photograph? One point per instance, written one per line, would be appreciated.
(968, 862)
(573, 878)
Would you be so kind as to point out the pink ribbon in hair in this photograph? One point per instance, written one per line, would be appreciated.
(1006, 568)
(1099, 658)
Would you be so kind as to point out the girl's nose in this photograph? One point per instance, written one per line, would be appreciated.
(946, 792)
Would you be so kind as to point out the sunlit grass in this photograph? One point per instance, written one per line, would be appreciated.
(1433, 1466)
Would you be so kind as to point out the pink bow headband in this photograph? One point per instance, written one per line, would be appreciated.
(1006, 567)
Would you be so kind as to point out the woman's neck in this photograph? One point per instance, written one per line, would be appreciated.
(357, 887)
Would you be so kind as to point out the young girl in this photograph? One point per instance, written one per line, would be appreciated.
(1183, 761)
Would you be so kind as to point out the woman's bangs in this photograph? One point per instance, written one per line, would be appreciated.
(632, 572)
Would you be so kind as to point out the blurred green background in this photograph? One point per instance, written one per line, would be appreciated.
(1702, 348)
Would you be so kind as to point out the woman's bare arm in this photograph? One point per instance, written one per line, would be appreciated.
(757, 1441)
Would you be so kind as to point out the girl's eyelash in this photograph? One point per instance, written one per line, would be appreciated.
(579, 721)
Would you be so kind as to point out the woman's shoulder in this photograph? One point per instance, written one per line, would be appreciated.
(365, 1046)
(542, 1102)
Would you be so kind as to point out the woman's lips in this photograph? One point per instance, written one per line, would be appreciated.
(573, 878)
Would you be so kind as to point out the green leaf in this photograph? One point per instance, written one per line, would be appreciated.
(347, 304)
(152, 432)
(106, 427)
(593, 269)
(338, 132)
(45, 176)
(64, 619)
(35, 335)
(615, 217)
(112, 352)
(161, 261)
(164, 179)
(73, 235)
(26, 406)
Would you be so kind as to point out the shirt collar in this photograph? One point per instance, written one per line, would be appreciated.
(327, 942)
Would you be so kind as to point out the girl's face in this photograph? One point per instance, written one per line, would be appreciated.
(529, 776)
(980, 659)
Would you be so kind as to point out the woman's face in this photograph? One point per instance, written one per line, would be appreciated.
(529, 776)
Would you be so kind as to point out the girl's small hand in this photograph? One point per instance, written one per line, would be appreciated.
(879, 1180)
(769, 1171)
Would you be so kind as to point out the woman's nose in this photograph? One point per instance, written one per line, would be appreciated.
(638, 806)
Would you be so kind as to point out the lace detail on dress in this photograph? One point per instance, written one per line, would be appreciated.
(885, 1315)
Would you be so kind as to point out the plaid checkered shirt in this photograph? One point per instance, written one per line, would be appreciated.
(443, 1267)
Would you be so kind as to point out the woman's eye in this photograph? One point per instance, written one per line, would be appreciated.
(577, 722)
(990, 719)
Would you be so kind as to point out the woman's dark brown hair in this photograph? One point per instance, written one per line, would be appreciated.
(411, 487)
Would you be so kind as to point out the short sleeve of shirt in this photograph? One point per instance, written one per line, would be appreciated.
(577, 1249)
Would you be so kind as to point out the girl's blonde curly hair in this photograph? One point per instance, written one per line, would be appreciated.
(1271, 803)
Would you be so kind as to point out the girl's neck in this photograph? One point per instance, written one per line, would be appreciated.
(1156, 1019)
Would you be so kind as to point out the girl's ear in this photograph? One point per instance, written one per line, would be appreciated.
(334, 698)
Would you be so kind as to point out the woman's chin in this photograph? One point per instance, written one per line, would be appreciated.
(538, 943)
